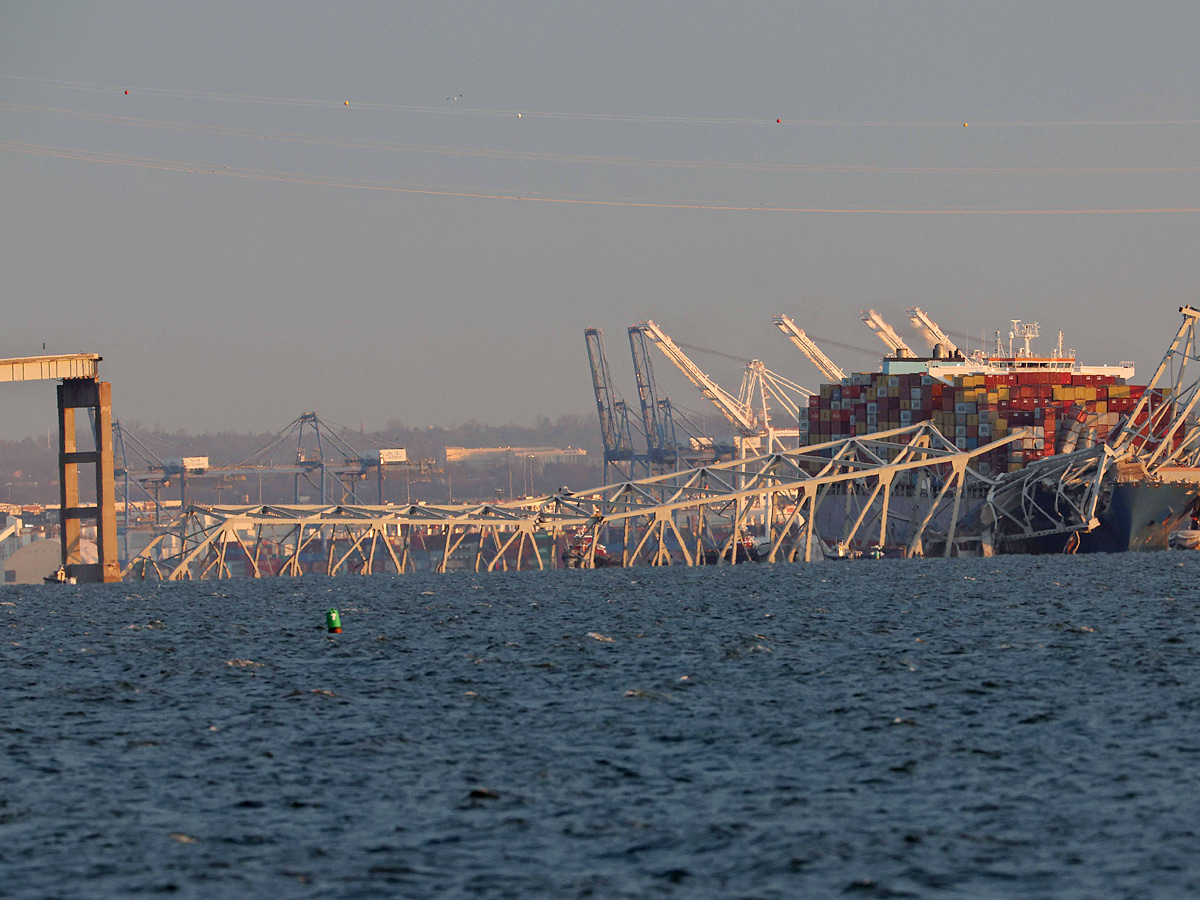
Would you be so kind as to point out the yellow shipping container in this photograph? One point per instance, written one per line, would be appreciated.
(1101, 406)
(972, 419)
(1003, 391)
(1002, 424)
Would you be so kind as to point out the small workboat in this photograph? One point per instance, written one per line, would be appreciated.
(59, 576)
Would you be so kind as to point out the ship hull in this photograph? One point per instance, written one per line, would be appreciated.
(1138, 516)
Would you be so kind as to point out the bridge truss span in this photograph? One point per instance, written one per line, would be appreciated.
(908, 491)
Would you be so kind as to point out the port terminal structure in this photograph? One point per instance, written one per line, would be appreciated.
(79, 387)
(314, 455)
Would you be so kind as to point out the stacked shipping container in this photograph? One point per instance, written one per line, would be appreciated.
(1064, 411)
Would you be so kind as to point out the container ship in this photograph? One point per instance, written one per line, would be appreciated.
(1061, 406)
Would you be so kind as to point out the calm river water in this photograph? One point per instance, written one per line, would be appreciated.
(1015, 727)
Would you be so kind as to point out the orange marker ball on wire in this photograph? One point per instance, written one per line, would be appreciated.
(127, 92)
(778, 121)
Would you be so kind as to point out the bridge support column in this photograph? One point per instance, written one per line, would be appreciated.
(90, 394)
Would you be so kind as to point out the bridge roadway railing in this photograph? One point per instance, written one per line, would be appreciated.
(909, 489)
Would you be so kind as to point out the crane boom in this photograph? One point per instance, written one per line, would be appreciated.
(921, 320)
(887, 334)
(737, 413)
(797, 336)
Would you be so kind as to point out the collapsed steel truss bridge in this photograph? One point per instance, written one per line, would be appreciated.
(908, 489)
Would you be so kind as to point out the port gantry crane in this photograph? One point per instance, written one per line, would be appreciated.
(887, 334)
(796, 335)
(658, 418)
(611, 407)
(933, 331)
(749, 411)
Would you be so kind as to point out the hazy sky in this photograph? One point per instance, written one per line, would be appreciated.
(241, 245)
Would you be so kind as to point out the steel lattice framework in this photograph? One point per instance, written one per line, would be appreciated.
(1162, 429)
(908, 488)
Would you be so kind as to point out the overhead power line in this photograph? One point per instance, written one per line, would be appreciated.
(194, 168)
(452, 107)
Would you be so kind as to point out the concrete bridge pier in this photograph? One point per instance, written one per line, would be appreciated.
(95, 396)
